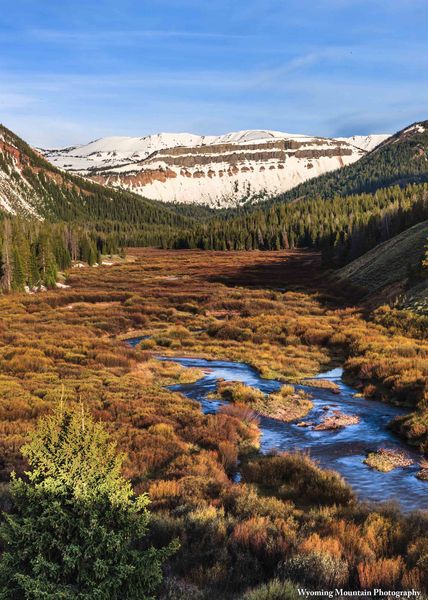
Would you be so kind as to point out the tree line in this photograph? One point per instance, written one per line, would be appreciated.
(32, 252)
(343, 228)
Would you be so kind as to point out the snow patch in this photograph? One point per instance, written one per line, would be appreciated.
(417, 128)
(365, 142)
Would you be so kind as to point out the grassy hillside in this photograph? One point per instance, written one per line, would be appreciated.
(393, 264)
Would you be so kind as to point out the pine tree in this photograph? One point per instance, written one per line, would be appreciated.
(18, 271)
(76, 530)
(7, 269)
(50, 272)
(33, 270)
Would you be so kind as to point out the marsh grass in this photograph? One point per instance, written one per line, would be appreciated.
(296, 477)
(286, 405)
(323, 384)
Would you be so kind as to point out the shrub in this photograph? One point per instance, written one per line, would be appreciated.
(229, 332)
(228, 456)
(111, 359)
(76, 524)
(178, 589)
(32, 360)
(234, 391)
(240, 411)
(386, 573)
(273, 590)
(164, 430)
(296, 476)
(315, 569)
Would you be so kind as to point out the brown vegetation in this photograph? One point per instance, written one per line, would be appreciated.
(286, 512)
(387, 459)
(286, 404)
(323, 384)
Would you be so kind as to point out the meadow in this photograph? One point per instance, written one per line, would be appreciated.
(286, 519)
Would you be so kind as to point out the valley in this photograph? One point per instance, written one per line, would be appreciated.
(261, 370)
(214, 300)
(279, 314)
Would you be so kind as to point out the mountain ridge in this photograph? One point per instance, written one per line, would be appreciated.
(219, 171)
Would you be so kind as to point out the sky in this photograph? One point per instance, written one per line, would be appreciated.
(74, 71)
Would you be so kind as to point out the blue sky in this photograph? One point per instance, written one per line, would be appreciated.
(75, 70)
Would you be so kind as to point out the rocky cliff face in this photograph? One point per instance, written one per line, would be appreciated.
(225, 171)
(17, 194)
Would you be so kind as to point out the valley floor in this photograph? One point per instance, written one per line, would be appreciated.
(275, 311)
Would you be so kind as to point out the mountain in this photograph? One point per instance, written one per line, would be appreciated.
(17, 195)
(399, 159)
(219, 171)
(32, 187)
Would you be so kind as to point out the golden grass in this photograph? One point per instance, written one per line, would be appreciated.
(386, 460)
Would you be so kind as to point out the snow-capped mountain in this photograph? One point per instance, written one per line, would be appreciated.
(219, 171)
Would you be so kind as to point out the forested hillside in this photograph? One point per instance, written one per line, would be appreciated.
(31, 187)
(32, 253)
(401, 159)
(344, 213)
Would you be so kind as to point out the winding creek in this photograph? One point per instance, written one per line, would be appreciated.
(342, 450)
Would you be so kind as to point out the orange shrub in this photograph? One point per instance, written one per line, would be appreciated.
(386, 573)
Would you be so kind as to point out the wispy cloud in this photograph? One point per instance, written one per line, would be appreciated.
(327, 67)
(126, 36)
(14, 100)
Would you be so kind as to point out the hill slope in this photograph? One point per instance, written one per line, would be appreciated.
(388, 268)
(219, 171)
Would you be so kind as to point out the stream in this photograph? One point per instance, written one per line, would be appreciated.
(342, 450)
